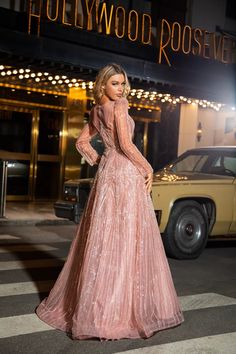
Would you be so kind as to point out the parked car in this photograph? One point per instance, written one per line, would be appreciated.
(194, 198)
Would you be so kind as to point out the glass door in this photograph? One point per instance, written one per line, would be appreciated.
(33, 143)
(49, 152)
(16, 145)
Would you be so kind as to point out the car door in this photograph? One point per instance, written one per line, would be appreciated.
(233, 225)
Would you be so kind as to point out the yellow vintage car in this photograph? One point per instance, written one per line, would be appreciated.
(194, 198)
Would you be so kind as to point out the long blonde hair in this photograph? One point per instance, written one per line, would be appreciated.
(103, 75)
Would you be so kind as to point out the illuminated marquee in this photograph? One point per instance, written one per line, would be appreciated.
(90, 15)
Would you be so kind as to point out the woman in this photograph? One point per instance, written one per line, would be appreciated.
(116, 282)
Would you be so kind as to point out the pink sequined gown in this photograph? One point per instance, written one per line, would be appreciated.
(116, 282)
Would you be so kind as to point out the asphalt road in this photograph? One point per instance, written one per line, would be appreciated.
(31, 258)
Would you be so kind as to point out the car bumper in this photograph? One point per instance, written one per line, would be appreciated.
(67, 210)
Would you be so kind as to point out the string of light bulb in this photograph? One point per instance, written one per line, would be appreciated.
(139, 94)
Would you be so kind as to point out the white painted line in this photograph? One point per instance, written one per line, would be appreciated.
(8, 237)
(217, 344)
(202, 301)
(27, 264)
(24, 324)
(26, 248)
(23, 288)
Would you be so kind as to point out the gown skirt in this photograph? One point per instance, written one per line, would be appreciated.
(116, 282)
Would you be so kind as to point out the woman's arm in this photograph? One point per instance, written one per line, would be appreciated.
(83, 144)
(125, 141)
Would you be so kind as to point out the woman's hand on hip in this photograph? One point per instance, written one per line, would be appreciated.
(148, 182)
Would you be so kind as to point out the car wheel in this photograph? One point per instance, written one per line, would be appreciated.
(186, 234)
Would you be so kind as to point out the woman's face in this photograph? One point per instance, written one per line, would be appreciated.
(114, 87)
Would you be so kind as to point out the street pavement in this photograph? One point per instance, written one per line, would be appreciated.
(31, 258)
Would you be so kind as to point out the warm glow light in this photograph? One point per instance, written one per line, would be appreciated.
(150, 96)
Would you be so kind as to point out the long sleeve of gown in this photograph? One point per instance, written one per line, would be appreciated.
(124, 138)
(83, 144)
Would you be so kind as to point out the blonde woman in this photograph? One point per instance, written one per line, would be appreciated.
(116, 282)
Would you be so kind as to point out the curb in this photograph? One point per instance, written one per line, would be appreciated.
(34, 222)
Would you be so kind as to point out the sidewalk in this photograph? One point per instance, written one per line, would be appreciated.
(23, 213)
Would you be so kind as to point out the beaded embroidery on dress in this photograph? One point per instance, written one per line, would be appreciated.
(116, 282)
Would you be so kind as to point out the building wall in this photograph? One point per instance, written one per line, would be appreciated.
(208, 119)
(218, 128)
(207, 14)
(225, 128)
(17, 5)
(187, 127)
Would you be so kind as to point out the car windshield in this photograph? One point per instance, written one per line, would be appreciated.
(210, 162)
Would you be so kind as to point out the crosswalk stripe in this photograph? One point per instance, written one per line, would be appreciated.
(29, 323)
(220, 343)
(27, 264)
(205, 300)
(8, 237)
(189, 302)
(23, 288)
(26, 248)
(24, 324)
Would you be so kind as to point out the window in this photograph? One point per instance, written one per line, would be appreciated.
(191, 163)
(231, 9)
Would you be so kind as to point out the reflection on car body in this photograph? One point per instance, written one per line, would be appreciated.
(194, 198)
